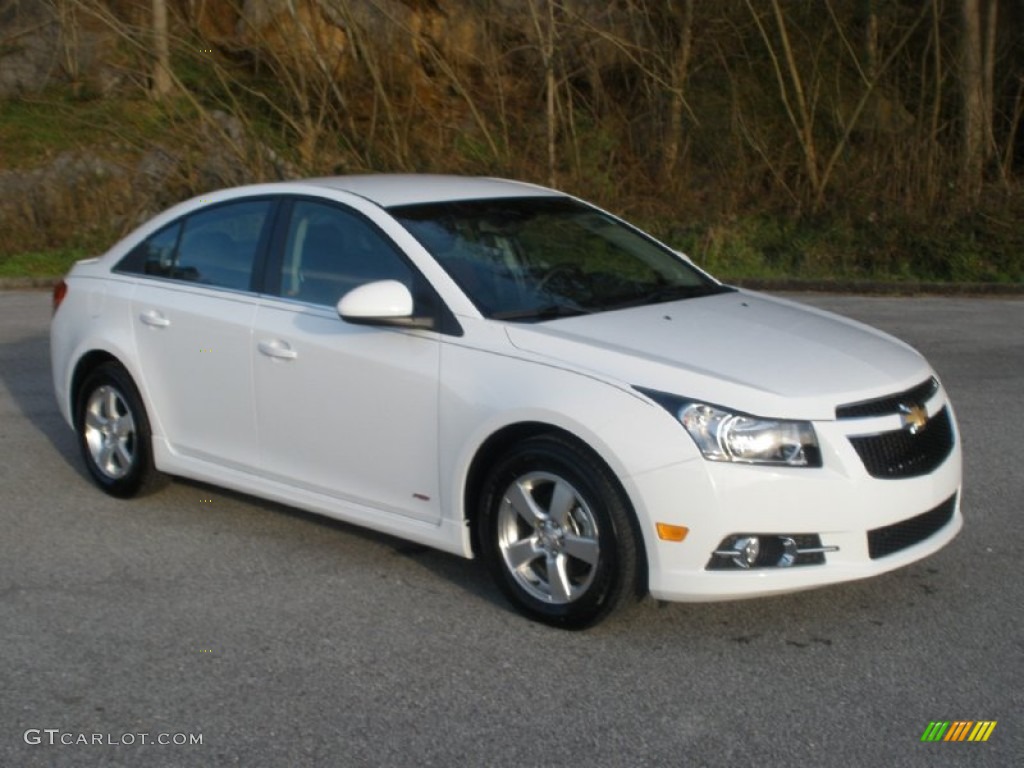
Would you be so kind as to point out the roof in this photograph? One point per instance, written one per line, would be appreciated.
(389, 190)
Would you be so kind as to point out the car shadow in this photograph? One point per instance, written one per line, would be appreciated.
(470, 576)
(25, 375)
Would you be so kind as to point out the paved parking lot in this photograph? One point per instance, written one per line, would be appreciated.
(282, 639)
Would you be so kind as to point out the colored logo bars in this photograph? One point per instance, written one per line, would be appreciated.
(958, 730)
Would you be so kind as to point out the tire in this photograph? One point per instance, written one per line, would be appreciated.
(113, 432)
(557, 533)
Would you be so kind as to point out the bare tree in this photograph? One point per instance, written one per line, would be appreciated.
(161, 84)
(677, 81)
(871, 41)
(977, 83)
(792, 89)
(546, 36)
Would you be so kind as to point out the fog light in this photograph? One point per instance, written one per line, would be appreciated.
(747, 550)
(789, 552)
(764, 550)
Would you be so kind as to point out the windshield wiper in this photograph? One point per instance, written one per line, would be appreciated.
(672, 293)
(547, 312)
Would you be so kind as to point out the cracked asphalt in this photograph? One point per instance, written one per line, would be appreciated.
(284, 639)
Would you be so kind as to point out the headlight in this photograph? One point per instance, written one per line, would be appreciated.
(723, 435)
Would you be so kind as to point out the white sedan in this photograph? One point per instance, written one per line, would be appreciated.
(498, 369)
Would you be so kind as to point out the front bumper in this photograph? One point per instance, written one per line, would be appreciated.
(867, 524)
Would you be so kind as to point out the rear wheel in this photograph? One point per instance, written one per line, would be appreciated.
(557, 534)
(113, 432)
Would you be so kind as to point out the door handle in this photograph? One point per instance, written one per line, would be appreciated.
(154, 318)
(277, 349)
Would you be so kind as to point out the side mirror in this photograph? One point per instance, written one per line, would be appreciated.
(383, 302)
(683, 256)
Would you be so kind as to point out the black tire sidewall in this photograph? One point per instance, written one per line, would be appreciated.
(616, 569)
(113, 375)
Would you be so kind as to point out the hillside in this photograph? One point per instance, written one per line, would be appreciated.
(837, 139)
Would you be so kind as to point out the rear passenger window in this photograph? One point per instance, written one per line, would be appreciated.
(214, 247)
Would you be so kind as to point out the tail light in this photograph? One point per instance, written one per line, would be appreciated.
(60, 290)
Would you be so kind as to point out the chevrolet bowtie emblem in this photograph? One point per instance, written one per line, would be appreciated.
(913, 417)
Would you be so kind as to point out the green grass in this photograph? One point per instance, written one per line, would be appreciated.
(968, 250)
(56, 121)
(52, 263)
(766, 248)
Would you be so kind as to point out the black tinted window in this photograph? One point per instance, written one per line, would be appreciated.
(155, 254)
(216, 246)
(329, 251)
(546, 257)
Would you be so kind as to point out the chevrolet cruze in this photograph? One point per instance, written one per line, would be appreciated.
(501, 370)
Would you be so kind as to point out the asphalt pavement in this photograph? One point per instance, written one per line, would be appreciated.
(276, 638)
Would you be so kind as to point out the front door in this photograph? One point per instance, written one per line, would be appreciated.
(347, 411)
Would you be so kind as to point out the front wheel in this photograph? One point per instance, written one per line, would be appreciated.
(113, 432)
(557, 534)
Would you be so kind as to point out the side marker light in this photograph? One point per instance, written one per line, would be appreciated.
(667, 532)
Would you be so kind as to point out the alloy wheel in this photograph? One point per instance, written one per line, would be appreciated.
(548, 537)
(109, 432)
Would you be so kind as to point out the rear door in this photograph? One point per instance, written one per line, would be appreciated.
(192, 314)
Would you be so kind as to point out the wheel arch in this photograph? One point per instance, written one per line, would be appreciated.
(86, 364)
(500, 442)
(92, 360)
(141, 475)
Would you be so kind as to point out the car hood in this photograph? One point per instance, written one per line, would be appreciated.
(739, 349)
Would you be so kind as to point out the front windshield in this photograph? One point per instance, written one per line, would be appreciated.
(539, 258)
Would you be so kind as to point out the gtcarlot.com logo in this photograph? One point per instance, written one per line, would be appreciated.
(55, 737)
(958, 730)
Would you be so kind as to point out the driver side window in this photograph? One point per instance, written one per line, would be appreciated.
(330, 250)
